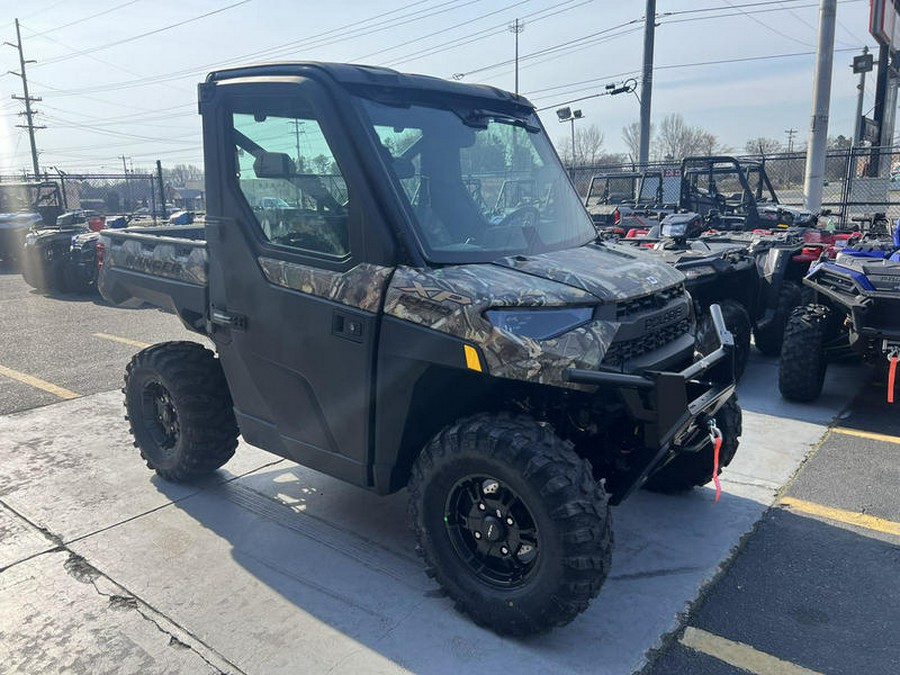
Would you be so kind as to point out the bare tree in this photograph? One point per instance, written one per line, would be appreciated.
(707, 143)
(631, 134)
(677, 139)
(763, 146)
(588, 145)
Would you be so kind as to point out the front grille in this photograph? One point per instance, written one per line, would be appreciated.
(648, 302)
(620, 352)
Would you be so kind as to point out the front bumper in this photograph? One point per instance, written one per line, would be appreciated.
(671, 407)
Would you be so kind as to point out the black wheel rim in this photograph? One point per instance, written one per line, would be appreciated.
(492, 531)
(160, 416)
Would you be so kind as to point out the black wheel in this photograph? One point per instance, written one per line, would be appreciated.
(737, 321)
(180, 410)
(769, 338)
(34, 271)
(801, 371)
(511, 523)
(689, 470)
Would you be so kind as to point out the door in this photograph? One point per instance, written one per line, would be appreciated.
(294, 305)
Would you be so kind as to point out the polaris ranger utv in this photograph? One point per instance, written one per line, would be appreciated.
(516, 375)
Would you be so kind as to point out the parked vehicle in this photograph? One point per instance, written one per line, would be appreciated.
(517, 376)
(621, 201)
(25, 206)
(48, 260)
(856, 308)
(736, 194)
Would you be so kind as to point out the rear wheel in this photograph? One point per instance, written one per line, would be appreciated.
(511, 523)
(737, 321)
(180, 410)
(769, 338)
(801, 371)
(690, 470)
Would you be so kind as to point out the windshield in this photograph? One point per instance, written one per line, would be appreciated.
(481, 185)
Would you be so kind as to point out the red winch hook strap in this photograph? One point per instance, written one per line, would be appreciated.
(892, 373)
(715, 435)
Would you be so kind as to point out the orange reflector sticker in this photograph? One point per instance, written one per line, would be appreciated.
(472, 360)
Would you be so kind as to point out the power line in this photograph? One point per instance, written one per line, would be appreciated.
(148, 33)
(87, 18)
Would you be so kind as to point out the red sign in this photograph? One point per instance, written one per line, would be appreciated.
(884, 21)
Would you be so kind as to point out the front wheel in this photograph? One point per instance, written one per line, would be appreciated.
(689, 470)
(801, 371)
(769, 338)
(511, 523)
(180, 410)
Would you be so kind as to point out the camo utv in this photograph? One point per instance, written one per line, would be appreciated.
(403, 325)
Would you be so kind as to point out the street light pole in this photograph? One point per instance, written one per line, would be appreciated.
(517, 27)
(568, 115)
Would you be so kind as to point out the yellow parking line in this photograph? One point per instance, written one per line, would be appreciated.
(37, 383)
(866, 434)
(124, 341)
(840, 515)
(739, 655)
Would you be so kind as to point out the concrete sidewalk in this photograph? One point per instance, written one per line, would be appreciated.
(270, 567)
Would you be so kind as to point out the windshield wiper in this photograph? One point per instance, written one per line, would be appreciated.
(480, 118)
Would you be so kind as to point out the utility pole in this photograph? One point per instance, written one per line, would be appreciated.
(517, 28)
(818, 126)
(647, 80)
(128, 190)
(162, 192)
(297, 124)
(29, 113)
(790, 134)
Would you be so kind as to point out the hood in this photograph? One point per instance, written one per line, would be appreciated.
(20, 220)
(609, 272)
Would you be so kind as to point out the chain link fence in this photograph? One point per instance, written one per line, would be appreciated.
(849, 190)
(108, 194)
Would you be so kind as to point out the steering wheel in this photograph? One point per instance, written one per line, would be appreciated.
(524, 216)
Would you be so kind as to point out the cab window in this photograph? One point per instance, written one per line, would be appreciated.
(289, 176)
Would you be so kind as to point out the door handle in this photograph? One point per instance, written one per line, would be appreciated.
(220, 317)
(347, 326)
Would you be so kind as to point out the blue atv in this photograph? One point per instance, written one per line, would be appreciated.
(856, 310)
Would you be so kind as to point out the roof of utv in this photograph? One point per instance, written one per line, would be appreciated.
(353, 75)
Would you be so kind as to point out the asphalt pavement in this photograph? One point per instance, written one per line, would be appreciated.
(269, 567)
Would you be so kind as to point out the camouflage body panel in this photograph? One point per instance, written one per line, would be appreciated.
(361, 287)
(453, 300)
(610, 272)
(180, 259)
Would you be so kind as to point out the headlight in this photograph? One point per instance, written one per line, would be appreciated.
(539, 324)
(699, 271)
(674, 230)
(30, 238)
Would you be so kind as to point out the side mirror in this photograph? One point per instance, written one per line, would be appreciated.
(274, 165)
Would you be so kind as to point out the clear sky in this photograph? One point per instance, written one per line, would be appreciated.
(118, 77)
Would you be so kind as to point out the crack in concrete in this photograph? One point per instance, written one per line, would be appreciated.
(81, 570)
(655, 573)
